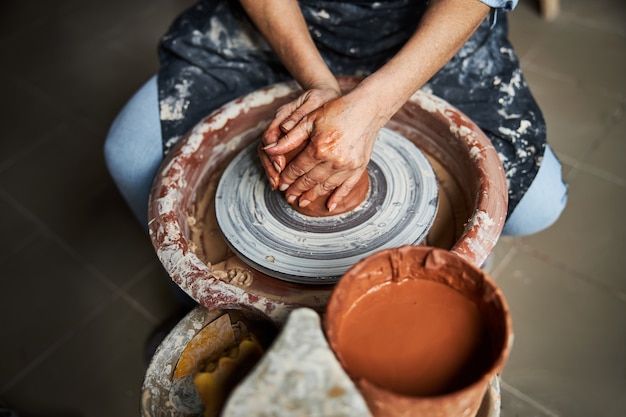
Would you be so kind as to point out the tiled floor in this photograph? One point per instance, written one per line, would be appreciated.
(80, 285)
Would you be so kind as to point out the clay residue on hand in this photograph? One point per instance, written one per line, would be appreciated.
(319, 206)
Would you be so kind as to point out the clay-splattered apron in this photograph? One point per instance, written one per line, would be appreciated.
(213, 54)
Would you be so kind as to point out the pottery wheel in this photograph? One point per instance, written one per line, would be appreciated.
(270, 236)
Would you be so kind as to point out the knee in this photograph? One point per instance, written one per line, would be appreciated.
(113, 152)
(543, 203)
(133, 146)
(528, 220)
(132, 157)
(119, 154)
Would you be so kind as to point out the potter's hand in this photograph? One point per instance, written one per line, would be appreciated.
(288, 116)
(341, 136)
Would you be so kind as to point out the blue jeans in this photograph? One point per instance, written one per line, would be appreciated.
(133, 152)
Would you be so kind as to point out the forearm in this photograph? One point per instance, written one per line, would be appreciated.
(282, 24)
(444, 28)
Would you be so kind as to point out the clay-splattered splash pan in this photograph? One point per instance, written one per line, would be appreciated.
(471, 211)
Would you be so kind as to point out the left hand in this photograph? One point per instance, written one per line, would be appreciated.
(286, 117)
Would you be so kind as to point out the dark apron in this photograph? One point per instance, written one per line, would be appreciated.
(212, 54)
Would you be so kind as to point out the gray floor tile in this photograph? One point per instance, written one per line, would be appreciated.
(590, 236)
(500, 256)
(569, 338)
(516, 404)
(46, 294)
(575, 115)
(58, 174)
(155, 292)
(69, 60)
(16, 229)
(607, 157)
(22, 130)
(605, 15)
(100, 20)
(111, 239)
(98, 372)
(594, 58)
(526, 27)
(19, 17)
(75, 198)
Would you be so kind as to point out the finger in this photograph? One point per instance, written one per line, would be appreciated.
(270, 168)
(273, 132)
(343, 190)
(291, 140)
(303, 184)
(278, 162)
(294, 118)
(319, 181)
(300, 165)
(321, 189)
(306, 106)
